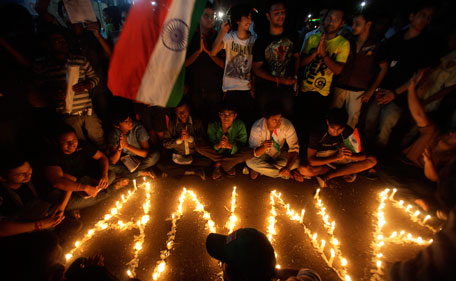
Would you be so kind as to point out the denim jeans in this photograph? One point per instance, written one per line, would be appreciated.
(380, 121)
(122, 171)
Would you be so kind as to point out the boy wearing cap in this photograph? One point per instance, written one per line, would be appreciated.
(248, 255)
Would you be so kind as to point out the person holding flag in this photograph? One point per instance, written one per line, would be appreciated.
(148, 62)
(267, 139)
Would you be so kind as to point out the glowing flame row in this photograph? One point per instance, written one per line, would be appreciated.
(299, 217)
(139, 240)
(233, 219)
(104, 223)
(175, 217)
(395, 237)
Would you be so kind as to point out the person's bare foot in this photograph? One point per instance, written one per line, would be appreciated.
(254, 174)
(216, 174)
(422, 204)
(349, 178)
(147, 174)
(123, 182)
(296, 176)
(322, 182)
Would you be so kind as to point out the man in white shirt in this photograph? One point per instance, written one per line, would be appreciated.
(267, 139)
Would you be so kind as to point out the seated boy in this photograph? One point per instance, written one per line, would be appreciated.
(69, 167)
(129, 141)
(183, 134)
(227, 138)
(327, 155)
(21, 209)
(267, 139)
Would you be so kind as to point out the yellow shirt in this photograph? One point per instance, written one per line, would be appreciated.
(317, 75)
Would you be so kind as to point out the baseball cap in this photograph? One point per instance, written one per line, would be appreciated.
(246, 250)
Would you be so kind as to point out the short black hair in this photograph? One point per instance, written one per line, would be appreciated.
(184, 101)
(61, 130)
(239, 11)
(272, 109)
(119, 116)
(11, 160)
(339, 8)
(366, 14)
(419, 5)
(271, 3)
(227, 106)
(337, 116)
(209, 5)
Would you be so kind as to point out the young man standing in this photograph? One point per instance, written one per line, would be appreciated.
(183, 135)
(267, 139)
(276, 61)
(204, 72)
(227, 138)
(72, 101)
(408, 51)
(130, 138)
(360, 78)
(324, 56)
(238, 45)
(327, 155)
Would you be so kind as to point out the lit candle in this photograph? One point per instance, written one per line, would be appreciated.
(426, 218)
(392, 194)
(331, 259)
(134, 183)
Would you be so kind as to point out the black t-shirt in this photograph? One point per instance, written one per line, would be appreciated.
(203, 72)
(76, 164)
(405, 57)
(361, 67)
(22, 204)
(321, 140)
(276, 53)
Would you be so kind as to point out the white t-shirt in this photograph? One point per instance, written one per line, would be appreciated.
(238, 62)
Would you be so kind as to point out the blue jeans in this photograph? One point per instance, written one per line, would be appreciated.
(380, 121)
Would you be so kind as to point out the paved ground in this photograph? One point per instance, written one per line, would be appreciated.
(350, 205)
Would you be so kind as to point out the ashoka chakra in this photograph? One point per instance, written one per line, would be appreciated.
(174, 35)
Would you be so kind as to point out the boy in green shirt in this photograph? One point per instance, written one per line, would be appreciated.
(227, 138)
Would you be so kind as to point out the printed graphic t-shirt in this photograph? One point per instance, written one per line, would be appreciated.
(276, 51)
(317, 76)
(238, 62)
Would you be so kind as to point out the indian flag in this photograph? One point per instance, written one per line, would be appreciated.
(149, 58)
(353, 142)
(275, 141)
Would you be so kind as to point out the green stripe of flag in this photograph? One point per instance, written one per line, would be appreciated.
(178, 88)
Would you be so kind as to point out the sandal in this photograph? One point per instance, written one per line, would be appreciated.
(216, 174)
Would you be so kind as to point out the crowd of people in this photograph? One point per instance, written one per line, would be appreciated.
(259, 98)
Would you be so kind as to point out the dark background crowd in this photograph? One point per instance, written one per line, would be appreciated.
(284, 89)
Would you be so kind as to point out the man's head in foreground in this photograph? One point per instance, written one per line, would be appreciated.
(246, 255)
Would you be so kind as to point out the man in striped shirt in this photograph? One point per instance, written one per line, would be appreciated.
(69, 79)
